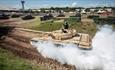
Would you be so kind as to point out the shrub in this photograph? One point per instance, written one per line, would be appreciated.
(78, 15)
(76, 18)
(46, 17)
(4, 30)
(61, 15)
(92, 16)
(108, 20)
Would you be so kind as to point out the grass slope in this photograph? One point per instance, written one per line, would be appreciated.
(8, 61)
(88, 27)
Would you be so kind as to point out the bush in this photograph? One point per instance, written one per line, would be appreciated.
(4, 30)
(4, 16)
(61, 15)
(76, 18)
(46, 17)
(108, 20)
(78, 15)
(28, 17)
(92, 16)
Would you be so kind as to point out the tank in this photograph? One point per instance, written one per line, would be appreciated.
(58, 37)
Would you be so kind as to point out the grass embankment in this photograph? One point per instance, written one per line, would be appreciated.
(88, 27)
(8, 61)
(43, 25)
(49, 26)
(31, 25)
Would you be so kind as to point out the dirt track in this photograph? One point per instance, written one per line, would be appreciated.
(18, 43)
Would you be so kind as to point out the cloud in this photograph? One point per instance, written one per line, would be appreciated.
(74, 4)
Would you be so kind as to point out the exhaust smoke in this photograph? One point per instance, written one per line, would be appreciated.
(101, 57)
(104, 46)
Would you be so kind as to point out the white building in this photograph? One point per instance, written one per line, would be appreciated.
(109, 9)
(92, 10)
(83, 11)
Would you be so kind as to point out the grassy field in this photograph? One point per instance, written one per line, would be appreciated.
(42, 25)
(49, 26)
(31, 25)
(87, 27)
(8, 61)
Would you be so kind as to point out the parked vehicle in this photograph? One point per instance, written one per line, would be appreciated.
(4, 16)
(28, 17)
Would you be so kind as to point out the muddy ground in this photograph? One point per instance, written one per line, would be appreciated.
(18, 43)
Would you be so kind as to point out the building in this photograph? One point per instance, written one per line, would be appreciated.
(83, 11)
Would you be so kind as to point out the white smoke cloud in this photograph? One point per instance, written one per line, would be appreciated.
(101, 57)
(104, 46)
(74, 4)
(68, 53)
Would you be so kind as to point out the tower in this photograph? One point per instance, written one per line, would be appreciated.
(22, 2)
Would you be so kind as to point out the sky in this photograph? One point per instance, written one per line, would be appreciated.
(56, 3)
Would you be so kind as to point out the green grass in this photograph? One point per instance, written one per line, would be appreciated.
(8, 61)
(31, 25)
(81, 27)
(42, 25)
(49, 26)
(73, 20)
(87, 27)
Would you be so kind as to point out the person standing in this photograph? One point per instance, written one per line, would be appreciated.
(65, 25)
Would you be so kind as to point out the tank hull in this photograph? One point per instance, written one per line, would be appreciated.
(81, 40)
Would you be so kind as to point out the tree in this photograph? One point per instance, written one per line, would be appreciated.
(87, 9)
(52, 8)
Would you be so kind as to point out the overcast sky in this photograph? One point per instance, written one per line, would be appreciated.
(56, 3)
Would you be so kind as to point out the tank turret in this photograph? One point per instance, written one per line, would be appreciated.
(83, 41)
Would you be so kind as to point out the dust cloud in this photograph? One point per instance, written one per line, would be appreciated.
(101, 57)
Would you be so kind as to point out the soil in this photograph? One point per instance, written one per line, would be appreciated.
(18, 43)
